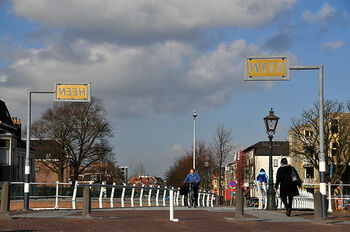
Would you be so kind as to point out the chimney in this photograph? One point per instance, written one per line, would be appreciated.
(17, 123)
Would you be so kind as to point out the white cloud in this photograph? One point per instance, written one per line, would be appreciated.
(3, 78)
(325, 15)
(163, 77)
(148, 18)
(333, 45)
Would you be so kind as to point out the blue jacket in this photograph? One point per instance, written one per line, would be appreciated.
(192, 178)
(262, 178)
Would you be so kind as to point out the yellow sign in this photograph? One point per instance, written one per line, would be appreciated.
(267, 68)
(72, 92)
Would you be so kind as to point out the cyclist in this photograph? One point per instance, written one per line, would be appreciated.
(193, 179)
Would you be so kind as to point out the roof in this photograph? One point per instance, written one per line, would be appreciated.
(5, 117)
(262, 148)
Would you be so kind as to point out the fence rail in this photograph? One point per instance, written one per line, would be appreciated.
(305, 200)
(109, 194)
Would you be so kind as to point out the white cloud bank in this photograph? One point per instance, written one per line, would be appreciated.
(148, 18)
(333, 45)
(168, 74)
(165, 77)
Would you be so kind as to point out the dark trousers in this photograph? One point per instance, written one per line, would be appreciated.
(287, 201)
(195, 189)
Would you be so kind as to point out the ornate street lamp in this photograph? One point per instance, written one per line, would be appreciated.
(271, 123)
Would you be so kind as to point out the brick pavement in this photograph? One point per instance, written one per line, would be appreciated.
(158, 220)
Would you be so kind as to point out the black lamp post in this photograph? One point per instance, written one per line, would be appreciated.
(271, 123)
(206, 165)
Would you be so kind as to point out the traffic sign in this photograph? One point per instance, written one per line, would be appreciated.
(233, 183)
(267, 68)
(78, 92)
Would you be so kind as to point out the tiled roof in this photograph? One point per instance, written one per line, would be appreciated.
(262, 148)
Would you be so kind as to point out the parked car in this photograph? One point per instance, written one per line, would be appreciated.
(253, 202)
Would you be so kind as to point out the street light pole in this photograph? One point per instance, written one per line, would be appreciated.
(206, 165)
(271, 123)
(271, 202)
(194, 139)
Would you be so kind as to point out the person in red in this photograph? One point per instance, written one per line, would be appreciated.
(288, 180)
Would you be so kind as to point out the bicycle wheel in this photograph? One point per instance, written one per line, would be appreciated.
(190, 199)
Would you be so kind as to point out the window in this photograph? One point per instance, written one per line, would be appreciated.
(309, 133)
(275, 162)
(335, 126)
(309, 172)
(4, 151)
(334, 152)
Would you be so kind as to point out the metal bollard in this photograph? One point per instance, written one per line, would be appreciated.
(5, 201)
(86, 203)
(318, 206)
(239, 204)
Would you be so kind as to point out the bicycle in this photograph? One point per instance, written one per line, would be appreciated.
(191, 198)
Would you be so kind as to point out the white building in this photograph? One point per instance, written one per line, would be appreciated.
(257, 156)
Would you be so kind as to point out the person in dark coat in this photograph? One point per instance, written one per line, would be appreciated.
(288, 186)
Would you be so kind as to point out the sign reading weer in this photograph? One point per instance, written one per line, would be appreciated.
(267, 68)
(79, 92)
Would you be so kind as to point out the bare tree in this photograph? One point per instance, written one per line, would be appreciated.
(80, 130)
(177, 172)
(222, 146)
(305, 137)
(139, 170)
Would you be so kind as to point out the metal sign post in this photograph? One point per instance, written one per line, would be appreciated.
(321, 155)
(78, 92)
(27, 160)
(275, 68)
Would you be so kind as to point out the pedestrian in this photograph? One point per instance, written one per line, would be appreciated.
(262, 179)
(288, 180)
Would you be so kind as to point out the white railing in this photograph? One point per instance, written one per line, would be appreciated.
(57, 185)
(127, 193)
(305, 200)
(178, 200)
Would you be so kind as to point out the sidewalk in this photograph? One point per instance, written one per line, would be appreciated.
(157, 219)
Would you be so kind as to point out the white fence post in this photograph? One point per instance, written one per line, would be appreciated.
(183, 200)
(329, 198)
(112, 196)
(212, 199)
(104, 190)
(171, 206)
(100, 198)
(199, 198)
(56, 200)
(164, 195)
(157, 195)
(203, 201)
(122, 197)
(177, 196)
(141, 195)
(132, 195)
(149, 195)
(74, 197)
(208, 196)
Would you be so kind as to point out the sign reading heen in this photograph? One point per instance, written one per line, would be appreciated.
(72, 92)
(267, 68)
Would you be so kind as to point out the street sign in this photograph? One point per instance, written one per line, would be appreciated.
(233, 183)
(78, 92)
(267, 68)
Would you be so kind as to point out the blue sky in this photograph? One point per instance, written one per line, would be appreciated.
(154, 62)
